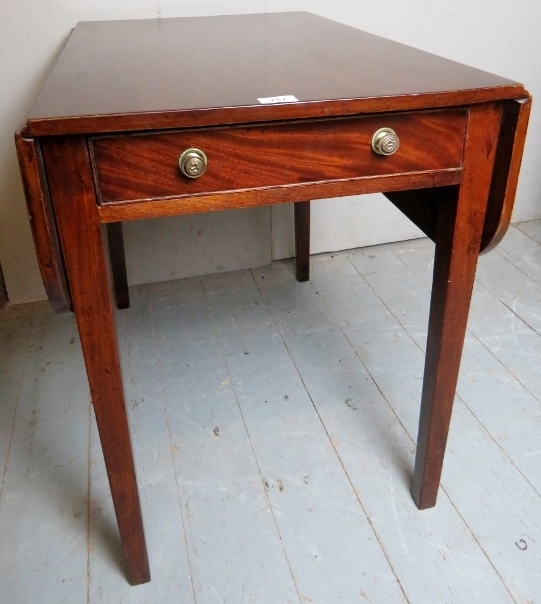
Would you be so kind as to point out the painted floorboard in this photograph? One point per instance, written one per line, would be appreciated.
(14, 336)
(235, 550)
(497, 324)
(333, 551)
(43, 510)
(532, 228)
(480, 506)
(523, 251)
(273, 426)
(376, 453)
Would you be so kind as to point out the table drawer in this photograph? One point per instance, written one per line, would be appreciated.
(145, 166)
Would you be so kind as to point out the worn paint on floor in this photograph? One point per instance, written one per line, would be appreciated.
(274, 428)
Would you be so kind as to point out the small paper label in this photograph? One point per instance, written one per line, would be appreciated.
(271, 100)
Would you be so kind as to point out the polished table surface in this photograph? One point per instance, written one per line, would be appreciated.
(102, 142)
(136, 75)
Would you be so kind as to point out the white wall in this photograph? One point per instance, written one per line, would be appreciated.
(495, 35)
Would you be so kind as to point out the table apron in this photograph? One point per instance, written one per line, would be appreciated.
(153, 208)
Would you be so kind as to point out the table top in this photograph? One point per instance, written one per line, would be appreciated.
(166, 73)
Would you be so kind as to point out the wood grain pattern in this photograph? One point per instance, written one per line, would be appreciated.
(516, 115)
(137, 210)
(421, 206)
(81, 240)
(42, 221)
(200, 71)
(458, 239)
(140, 167)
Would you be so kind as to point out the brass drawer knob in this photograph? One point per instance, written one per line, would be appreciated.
(192, 162)
(385, 142)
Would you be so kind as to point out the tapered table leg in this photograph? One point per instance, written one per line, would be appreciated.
(115, 238)
(458, 236)
(72, 193)
(302, 240)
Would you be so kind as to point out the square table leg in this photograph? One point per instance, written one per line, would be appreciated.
(302, 240)
(117, 257)
(460, 220)
(115, 239)
(72, 193)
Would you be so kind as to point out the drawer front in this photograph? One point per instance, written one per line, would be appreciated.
(145, 166)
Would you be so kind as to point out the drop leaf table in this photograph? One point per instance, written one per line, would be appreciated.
(148, 118)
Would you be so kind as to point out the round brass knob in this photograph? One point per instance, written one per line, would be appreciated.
(192, 162)
(385, 142)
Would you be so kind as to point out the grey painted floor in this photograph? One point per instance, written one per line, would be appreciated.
(274, 426)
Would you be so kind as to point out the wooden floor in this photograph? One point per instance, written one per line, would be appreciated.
(274, 427)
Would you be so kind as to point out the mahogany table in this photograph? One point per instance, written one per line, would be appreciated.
(150, 118)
